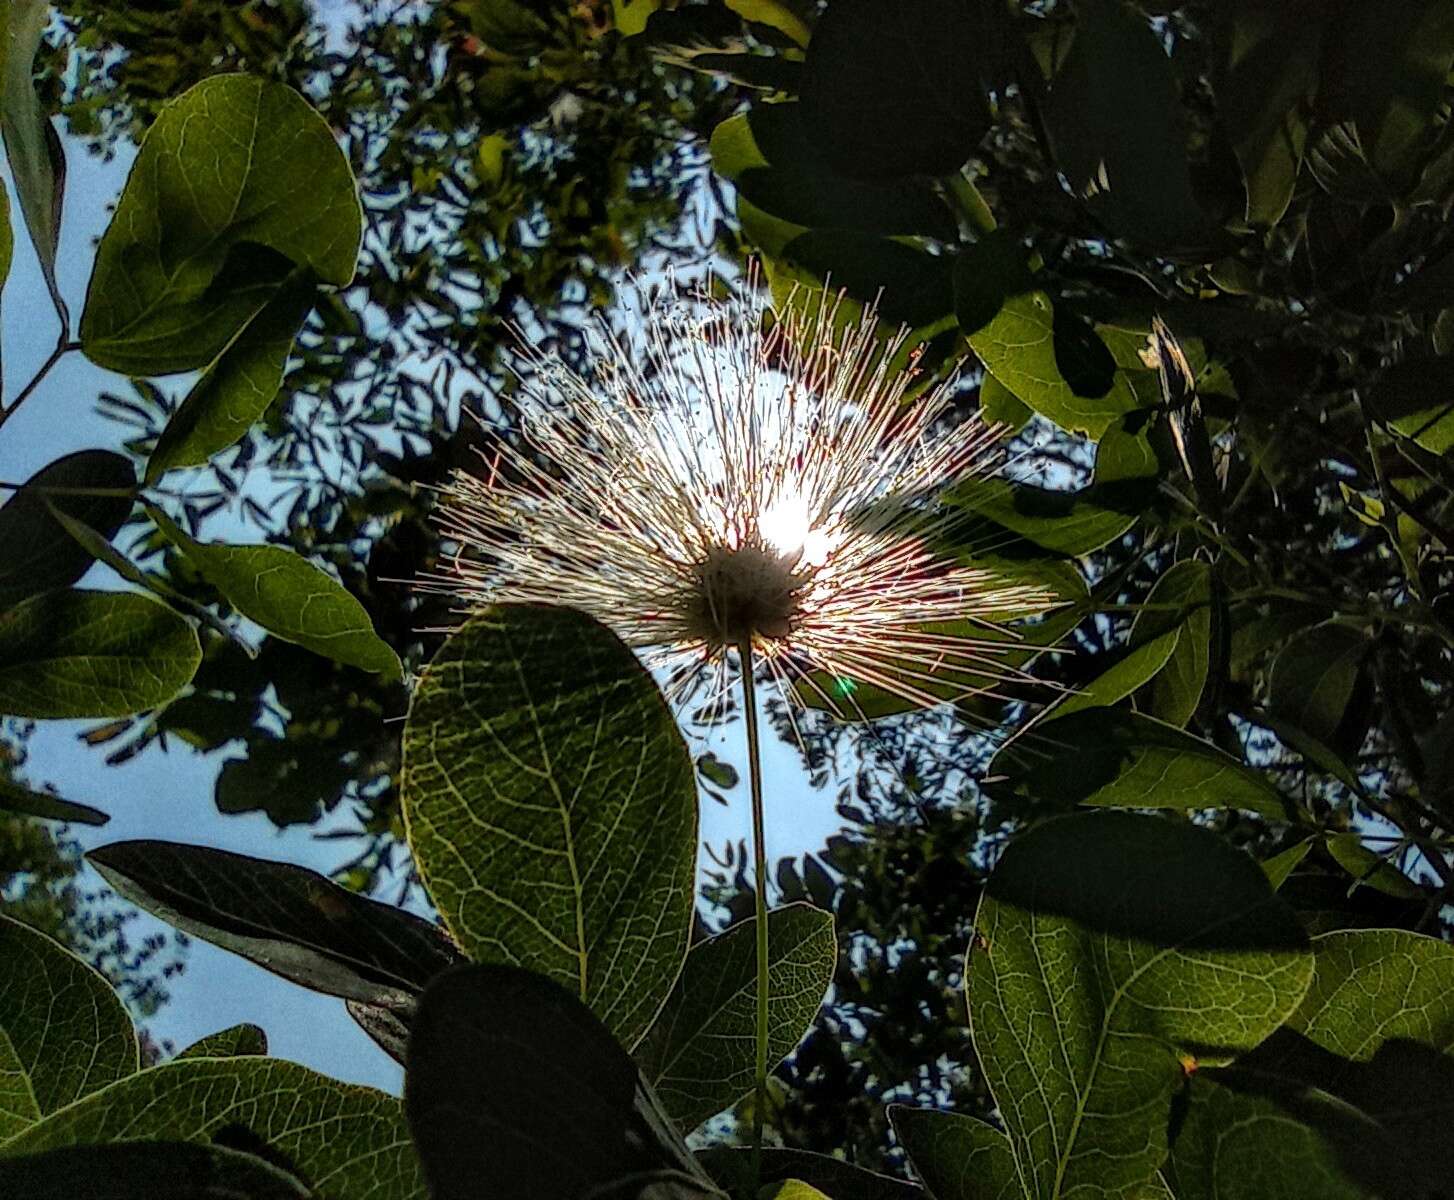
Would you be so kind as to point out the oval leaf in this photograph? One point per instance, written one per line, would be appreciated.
(1112, 949)
(958, 1158)
(288, 919)
(236, 184)
(552, 810)
(36, 555)
(92, 654)
(65, 1027)
(289, 597)
(1313, 677)
(350, 1142)
(701, 1053)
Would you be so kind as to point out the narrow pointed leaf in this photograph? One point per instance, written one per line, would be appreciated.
(288, 596)
(348, 1142)
(66, 1029)
(35, 553)
(37, 162)
(287, 919)
(238, 183)
(17, 799)
(700, 1054)
(92, 654)
(1113, 950)
(552, 810)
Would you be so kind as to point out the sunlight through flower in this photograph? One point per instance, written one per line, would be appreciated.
(717, 487)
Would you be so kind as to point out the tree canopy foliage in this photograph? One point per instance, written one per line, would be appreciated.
(1185, 933)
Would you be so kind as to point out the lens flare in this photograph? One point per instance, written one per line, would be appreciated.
(719, 483)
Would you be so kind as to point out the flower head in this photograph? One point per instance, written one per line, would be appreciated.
(716, 488)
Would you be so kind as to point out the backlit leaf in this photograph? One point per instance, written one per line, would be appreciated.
(64, 1026)
(236, 1040)
(348, 1142)
(958, 1158)
(551, 807)
(152, 1170)
(1112, 947)
(700, 1053)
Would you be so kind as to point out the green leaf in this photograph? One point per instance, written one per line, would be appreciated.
(1281, 865)
(7, 244)
(18, 1109)
(1236, 1145)
(17, 799)
(232, 1042)
(700, 1054)
(1034, 347)
(892, 90)
(1113, 949)
(237, 388)
(792, 1189)
(551, 808)
(292, 921)
(1132, 761)
(911, 287)
(350, 1142)
(1180, 604)
(1131, 669)
(1068, 523)
(1368, 868)
(1264, 82)
(157, 1170)
(784, 187)
(37, 162)
(716, 772)
(511, 1079)
(1113, 119)
(35, 553)
(958, 1158)
(1359, 1085)
(1313, 677)
(289, 597)
(92, 654)
(1000, 406)
(64, 1027)
(1414, 399)
(732, 1169)
(237, 185)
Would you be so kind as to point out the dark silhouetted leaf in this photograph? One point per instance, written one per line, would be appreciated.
(17, 799)
(92, 654)
(551, 807)
(732, 1169)
(147, 1171)
(288, 919)
(237, 184)
(784, 187)
(1114, 121)
(911, 287)
(891, 89)
(35, 553)
(700, 1054)
(1313, 677)
(515, 1088)
(1112, 949)
(1416, 399)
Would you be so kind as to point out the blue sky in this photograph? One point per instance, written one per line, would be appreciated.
(168, 795)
